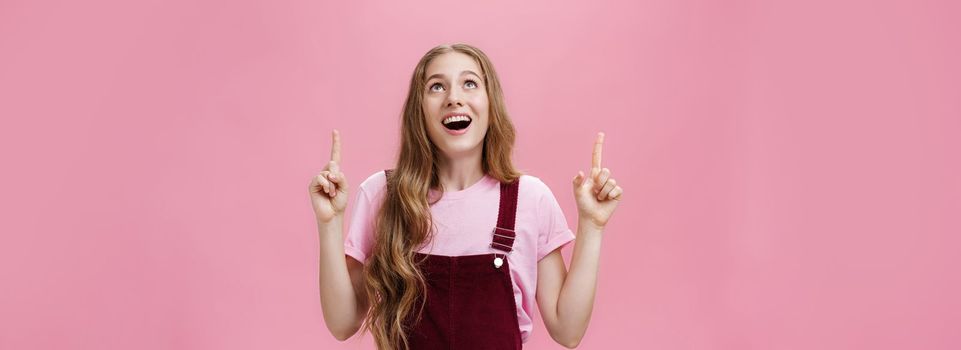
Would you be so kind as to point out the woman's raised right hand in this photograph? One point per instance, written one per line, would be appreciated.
(328, 189)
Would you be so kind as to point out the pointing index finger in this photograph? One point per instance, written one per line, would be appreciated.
(335, 148)
(596, 163)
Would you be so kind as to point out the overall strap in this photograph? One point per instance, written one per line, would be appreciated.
(507, 210)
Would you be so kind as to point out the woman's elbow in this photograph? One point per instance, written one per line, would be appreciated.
(342, 333)
(343, 336)
(566, 340)
(570, 343)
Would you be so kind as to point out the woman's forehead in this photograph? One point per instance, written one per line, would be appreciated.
(452, 64)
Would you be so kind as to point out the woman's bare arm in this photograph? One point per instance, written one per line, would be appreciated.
(342, 294)
(566, 299)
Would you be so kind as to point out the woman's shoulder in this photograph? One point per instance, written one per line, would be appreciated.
(374, 184)
(533, 186)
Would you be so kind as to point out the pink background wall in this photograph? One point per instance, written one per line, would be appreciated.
(791, 170)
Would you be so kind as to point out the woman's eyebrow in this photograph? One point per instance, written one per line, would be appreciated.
(441, 75)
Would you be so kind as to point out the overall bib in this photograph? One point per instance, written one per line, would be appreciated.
(470, 298)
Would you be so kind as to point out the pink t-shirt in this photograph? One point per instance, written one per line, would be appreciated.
(464, 221)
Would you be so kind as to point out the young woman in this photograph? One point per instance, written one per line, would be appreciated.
(449, 248)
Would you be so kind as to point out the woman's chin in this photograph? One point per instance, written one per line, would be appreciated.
(462, 147)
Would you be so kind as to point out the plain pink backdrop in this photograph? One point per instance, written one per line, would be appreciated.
(791, 169)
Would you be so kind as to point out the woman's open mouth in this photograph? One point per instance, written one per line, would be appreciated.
(457, 124)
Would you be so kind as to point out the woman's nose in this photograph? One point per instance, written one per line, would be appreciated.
(454, 97)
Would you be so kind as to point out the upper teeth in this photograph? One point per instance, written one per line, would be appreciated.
(455, 118)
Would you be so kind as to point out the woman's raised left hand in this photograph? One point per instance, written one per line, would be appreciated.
(598, 195)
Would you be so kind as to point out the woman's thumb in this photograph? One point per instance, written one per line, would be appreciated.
(579, 179)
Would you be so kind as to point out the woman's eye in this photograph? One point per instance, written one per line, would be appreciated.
(437, 87)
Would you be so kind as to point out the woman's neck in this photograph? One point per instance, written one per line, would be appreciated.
(456, 174)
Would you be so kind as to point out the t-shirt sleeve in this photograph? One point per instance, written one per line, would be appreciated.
(553, 232)
(360, 232)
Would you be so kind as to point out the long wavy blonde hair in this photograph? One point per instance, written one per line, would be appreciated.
(404, 224)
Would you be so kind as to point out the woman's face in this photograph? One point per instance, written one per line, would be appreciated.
(455, 104)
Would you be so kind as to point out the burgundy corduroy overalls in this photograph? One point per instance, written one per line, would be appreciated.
(470, 298)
